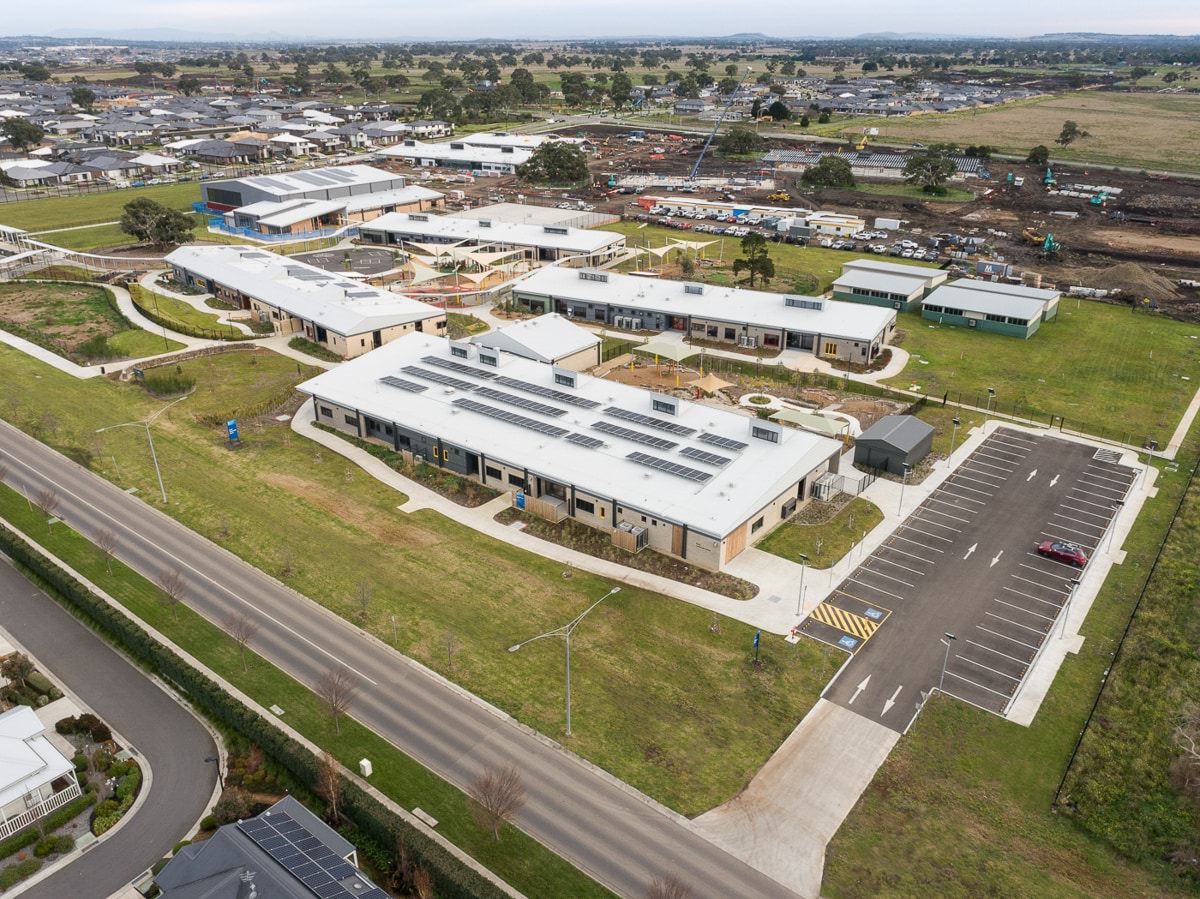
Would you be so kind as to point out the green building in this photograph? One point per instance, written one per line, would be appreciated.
(891, 284)
(1010, 309)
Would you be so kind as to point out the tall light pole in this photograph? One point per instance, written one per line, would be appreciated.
(1067, 607)
(803, 568)
(212, 759)
(956, 421)
(145, 423)
(565, 633)
(987, 411)
(903, 481)
(949, 638)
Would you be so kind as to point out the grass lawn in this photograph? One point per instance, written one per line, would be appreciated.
(46, 213)
(1105, 369)
(304, 345)
(88, 239)
(184, 313)
(962, 808)
(525, 863)
(952, 194)
(462, 325)
(824, 542)
(660, 701)
(137, 344)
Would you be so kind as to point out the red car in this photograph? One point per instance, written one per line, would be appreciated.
(1061, 551)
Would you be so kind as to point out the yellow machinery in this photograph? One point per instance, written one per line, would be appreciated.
(862, 144)
(780, 196)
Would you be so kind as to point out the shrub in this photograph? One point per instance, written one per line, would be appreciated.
(15, 873)
(127, 787)
(80, 761)
(63, 843)
(102, 760)
(168, 383)
(68, 725)
(208, 822)
(180, 845)
(44, 846)
(39, 682)
(95, 348)
(17, 842)
(233, 806)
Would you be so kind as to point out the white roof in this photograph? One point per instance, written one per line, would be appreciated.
(302, 212)
(730, 304)
(523, 141)
(401, 196)
(446, 152)
(731, 493)
(444, 228)
(309, 180)
(929, 275)
(546, 338)
(989, 298)
(902, 285)
(27, 759)
(327, 299)
(153, 159)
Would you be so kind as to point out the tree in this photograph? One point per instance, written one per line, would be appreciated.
(337, 689)
(330, 787)
(739, 141)
(620, 88)
(35, 71)
(671, 886)
(687, 266)
(106, 542)
(362, 592)
(555, 162)
(21, 133)
(452, 645)
(83, 97)
(16, 667)
(754, 259)
(242, 629)
(151, 222)
(1070, 133)
(831, 171)
(823, 118)
(188, 85)
(497, 794)
(173, 588)
(1039, 155)
(929, 170)
(779, 111)
(804, 120)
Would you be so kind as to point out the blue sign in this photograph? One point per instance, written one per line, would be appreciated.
(520, 500)
(874, 614)
(231, 427)
(847, 642)
(757, 634)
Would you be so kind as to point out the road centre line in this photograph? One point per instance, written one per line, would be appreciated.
(1006, 637)
(972, 683)
(917, 543)
(1048, 602)
(998, 652)
(1031, 630)
(1022, 609)
(971, 661)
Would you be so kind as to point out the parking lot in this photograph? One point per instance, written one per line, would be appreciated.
(364, 261)
(965, 562)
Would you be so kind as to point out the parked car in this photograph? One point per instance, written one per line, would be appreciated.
(1062, 551)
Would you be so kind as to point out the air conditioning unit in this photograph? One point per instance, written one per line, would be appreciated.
(748, 342)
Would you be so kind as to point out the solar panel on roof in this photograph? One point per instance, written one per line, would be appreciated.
(344, 177)
(703, 456)
(308, 843)
(308, 867)
(723, 442)
(332, 891)
(410, 386)
(253, 826)
(636, 436)
(316, 879)
(520, 402)
(585, 440)
(307, 274)
(512, 418)
(340, 870)
(274, 841)
(451, 365)
(680, 471)
(374, 893)
(649, 420)
(570, 399)
(437, 377)
(322, 856)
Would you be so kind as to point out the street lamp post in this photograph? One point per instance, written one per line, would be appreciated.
(565, 632)
(950, 638)
(214, 760)
(1067, 607)
(145, 423)
(803, 568)
(903, 481)
(987, 411)
(956, 421)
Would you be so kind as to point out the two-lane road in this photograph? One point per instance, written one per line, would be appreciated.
(619, 840)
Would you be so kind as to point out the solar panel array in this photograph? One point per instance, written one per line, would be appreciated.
(585, 440)
(520, 402)
(531, 424)
(306, 274)
(723, 442)
(649, 421)
(636, 436)
(410, 386)
(451, 365)
(308, 859)
(680, 471)
(702, 456)
(437, 377)
(570, 399)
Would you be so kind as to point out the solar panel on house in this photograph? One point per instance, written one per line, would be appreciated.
(451, 365)
(701, 456)
(723, 442)
(410, 386)
(520, 402)
(332, 891)
(636, 436)
(305, 856)
(570, 399)
(373, 893)
(585, 440)
(340, 870)
(649, 420)
(437, 377)
(680, 471)
(512, 418)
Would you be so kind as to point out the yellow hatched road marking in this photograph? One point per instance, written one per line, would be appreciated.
(845, 621)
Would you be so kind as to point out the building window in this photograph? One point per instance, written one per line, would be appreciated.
(582, 505)
(516, 480)
(564, 380)
(661, 406)
(757, 526)
(351, 420)
(765, 434)
(459, 351)
(831, 348)
(731, 333)
(491, 472)
(326, 412)
(445, 455)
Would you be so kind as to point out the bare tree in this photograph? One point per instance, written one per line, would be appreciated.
(497, 794)
(330, 787)
(362, 592)
(337, 689)
(422, 883)
(452, 646)
(47, 501)
(173, 588)
(671, 886)
(242, 629)
(106, 542)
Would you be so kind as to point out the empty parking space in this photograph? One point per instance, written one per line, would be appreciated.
(966, 562)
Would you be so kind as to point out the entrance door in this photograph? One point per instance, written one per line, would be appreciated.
(376, 339)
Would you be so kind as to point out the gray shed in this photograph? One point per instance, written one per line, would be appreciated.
(892, 441)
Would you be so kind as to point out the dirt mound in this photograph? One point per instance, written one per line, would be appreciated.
(1131, 279)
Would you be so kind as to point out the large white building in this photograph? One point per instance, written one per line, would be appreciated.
(689, 480)
(347, 317)
(455, 154)
(751, 318)
(332, 183)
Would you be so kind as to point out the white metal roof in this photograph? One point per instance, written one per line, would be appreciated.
(305, 210)
(489, 231)
(327, 299)
(27, 758)
(931, 276)
(730, 304)
(309, 180)
(753, 476)
(902, 285)
(967, 296)
(546, 338)
(468, 154)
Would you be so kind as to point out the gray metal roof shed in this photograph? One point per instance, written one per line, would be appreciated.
(892, 442)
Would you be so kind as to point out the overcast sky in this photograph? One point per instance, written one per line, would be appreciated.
(468, 19)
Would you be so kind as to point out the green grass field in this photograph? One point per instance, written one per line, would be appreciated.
(658, 699)
(46, 213)
(1105, 369)
(912, 192)
(827, 542)
(184, 313)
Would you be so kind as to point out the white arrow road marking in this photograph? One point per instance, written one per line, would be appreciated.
(1054, 480)
(860, 688)
(1032, 475)
(887, 705)
(997, 559)
(974, 546)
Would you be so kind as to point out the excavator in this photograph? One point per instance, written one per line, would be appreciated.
(780, 196)
(1049, 245)
(1050, 181)
(862, 144)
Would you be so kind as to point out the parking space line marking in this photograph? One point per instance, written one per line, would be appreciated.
(909, 527)
(1076, 499)
(1039, 556)
(1091, 546)
(1023, 609)
(1006, 434)
(1121, 481)
(1086, 512)
(898, 565)
(1056, 590)
(1008, 468)
(1006, 637)
(888, 576)
(1031, 630)
(1079, 521)
(999, 653)
(946, 515)
(846, 592)
(1015, 463)
(904, 552)
(959, 496)
(873, 587)
(1048, 602)
(997, 479)
(965, 487)
(1083, 480)
(916, 543)
(1061, 577)
(986, 668)
(956, 507)
(972, 683)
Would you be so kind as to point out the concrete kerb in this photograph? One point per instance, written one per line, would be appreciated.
(254, 706)
(143, 763)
